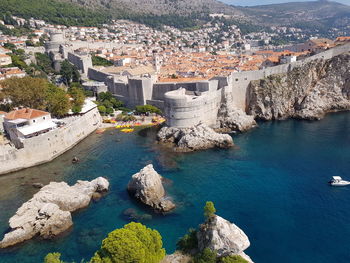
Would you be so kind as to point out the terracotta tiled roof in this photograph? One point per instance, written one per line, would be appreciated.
(2, 112)
(25, 113)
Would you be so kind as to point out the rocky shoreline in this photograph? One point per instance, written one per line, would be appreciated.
(48, 213)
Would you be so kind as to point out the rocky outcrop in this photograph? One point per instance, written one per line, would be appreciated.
(177, 257)
(147, 187)
(222, 236)
(199, 137)
(234, 120)
(307, 92)
(48, 213)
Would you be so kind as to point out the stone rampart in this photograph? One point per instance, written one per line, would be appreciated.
(185, 108)
(240, 80)
(48, 146)
(82, 62)
(182, 110)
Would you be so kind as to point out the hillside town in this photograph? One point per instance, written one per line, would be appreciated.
(247, 107)
(136, 64)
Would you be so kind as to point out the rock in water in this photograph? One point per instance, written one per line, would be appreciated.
(199, 137)
(235, 120)
(222, 236)
(48, 213)
(147, 186)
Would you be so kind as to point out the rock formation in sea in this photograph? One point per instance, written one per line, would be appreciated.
(198, 137)
(177, 257)
(48, 213)
(222, 236)
(147, 187)
(306, 92)
(234, 120)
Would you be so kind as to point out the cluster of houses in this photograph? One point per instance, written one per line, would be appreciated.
(137, 51)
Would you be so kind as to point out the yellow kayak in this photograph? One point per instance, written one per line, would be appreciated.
(127, 130)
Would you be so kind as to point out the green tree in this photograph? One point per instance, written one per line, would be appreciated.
(69, 73)
(209, 209)
(105, 96)
(57, 101)
(188, 242)
(102, 109)
(26, 92)
(132, 244)
(53, 258)
(78, 97)
(232, 259)
(44, 63)
(98, 61)
(206, 256)
(147, 109)
(116, 103)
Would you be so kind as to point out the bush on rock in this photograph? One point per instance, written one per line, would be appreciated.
(135, 243)
(233, 259)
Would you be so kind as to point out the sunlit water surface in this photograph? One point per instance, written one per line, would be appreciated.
(273, 185)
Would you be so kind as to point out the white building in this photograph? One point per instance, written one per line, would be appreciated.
(5, 60)
(26, 123)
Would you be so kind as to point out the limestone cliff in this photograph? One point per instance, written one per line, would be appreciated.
(306, 92)
(224, 237)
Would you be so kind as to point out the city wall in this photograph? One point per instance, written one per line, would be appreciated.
(183, 112)
(82, 62)
(185, 108)
(46, 147)
(180, 111)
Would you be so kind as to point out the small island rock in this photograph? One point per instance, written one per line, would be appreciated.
(199, 137)
(48, 213)
(222, 236)
(147, 187)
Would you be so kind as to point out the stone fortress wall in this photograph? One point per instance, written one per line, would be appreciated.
(183, 111)
(46, 147)
(198, 103)
(82, 61)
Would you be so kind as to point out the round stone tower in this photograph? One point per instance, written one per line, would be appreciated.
(56, 39)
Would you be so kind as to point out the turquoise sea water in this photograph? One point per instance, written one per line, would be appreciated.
(273, 185)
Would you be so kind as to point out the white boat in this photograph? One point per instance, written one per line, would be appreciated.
(338, 181)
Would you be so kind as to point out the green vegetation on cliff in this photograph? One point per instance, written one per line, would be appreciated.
(98, 61)
(134, 243)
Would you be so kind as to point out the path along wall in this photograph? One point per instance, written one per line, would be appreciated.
(48, 146)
